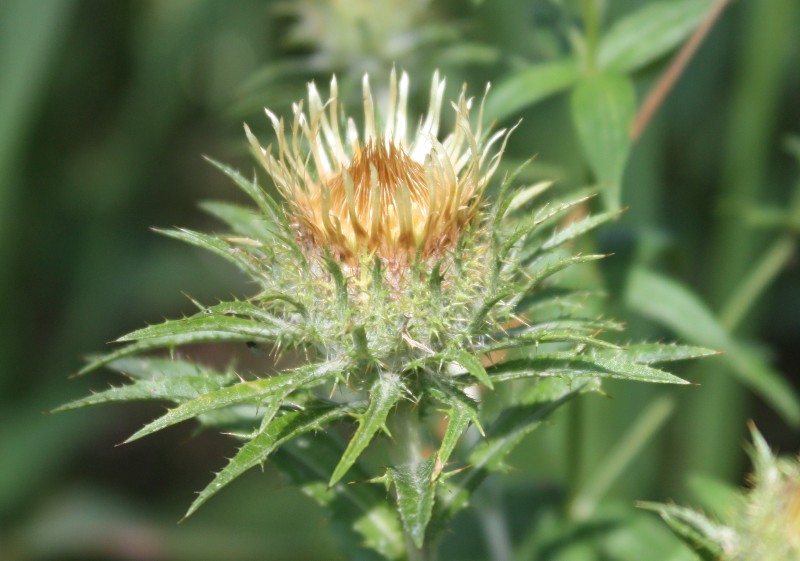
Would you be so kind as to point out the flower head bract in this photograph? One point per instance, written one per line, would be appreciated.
(384, 192)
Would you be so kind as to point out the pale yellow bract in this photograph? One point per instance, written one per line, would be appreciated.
(381, 193)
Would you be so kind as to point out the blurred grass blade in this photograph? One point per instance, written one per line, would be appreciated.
(649, 33)
(628, 446)
(415, 493)
(676, 307)
(603, 108)
(529, 86)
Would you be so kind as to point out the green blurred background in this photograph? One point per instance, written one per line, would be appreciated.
(106, 108)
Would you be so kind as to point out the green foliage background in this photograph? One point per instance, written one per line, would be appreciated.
(105, 110)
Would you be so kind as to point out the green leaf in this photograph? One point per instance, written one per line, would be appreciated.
(384, 394)
(596, 363)
(244, 261)
(256, 451)
(649, 33)
(461, 411)
(208, 328)
(698, 532)
(505, 434)
(603, 108)
(274, 389)
(676, 307)
(550, 264)
(529, 86)
(152, 368)
(578, 228)
(266, 204)
(415, 490)
(653, 353)
(174, 388)
(242, 220)
(471, 364)
(363, 509)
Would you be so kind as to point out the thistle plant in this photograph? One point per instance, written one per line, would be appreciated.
(410, 297)
(762, 522)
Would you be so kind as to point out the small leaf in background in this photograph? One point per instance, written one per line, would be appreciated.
(649, 33)
(529, 86)
(415, 493)
(693, 528)
(676, 307)
(603, 108)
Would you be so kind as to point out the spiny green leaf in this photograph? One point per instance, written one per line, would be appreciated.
(384, 394)
(256, 451)
(415, 490)
(212, 327)
(649, 33)
(528, 86)
(238, 308)
(274, 388)
(676, 307)
(516, 422)
(653, 353)
(244, 261)
(153, 368)
(461, 411)
(550, 264)
(471, 364)
(266, 204)
(537, 220)
(578, 228)
(173, 388)
(693, 528)
(504, 435)
(522, 197)
(309, 460)
(603, 108)
(242, 220)
(596, 363)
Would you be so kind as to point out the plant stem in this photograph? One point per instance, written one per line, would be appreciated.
(591, 20)
(574, 448)
(652, 418)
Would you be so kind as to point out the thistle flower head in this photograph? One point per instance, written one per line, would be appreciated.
(384, 192)
(361, 208)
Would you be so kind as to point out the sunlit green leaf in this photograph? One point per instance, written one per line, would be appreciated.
(649, 33)
(415, 490)
(653, 353)
(471, 364)
(256, 451)
(528, 86)
(595, 363)
(384, 394)
(603, 108)
(212, 327)
(678, 308)
(267, 389)
(245, 262)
